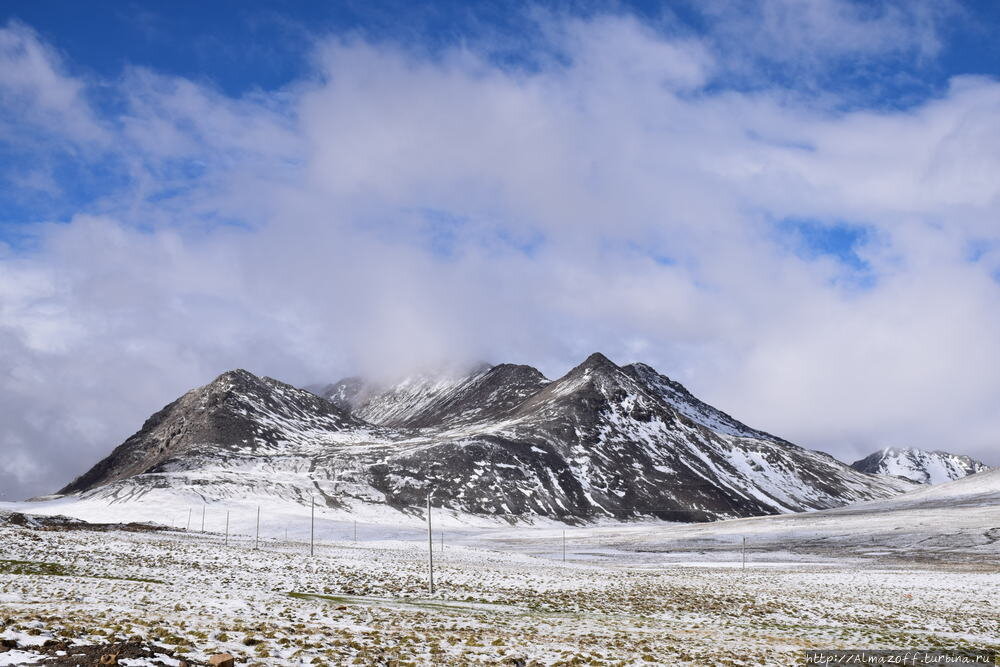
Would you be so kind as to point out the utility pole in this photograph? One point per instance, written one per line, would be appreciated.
(227, 527)
(188, 527)
(312, 528)
(256, 543)
(203, 517)
(430, 547)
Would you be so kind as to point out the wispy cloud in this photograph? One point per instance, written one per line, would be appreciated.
(35, 91)
(846, 52)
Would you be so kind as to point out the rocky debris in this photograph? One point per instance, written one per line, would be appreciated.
(222, 660)
(62, 654)
(59, 522)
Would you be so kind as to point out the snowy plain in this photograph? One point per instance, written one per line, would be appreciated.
(918, 571)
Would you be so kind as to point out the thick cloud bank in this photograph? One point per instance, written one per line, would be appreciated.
(823, 271)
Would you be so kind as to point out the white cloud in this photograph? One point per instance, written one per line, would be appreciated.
(396, 210)
(806, 35)
(33, 83)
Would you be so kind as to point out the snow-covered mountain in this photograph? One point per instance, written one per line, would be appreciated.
(919, 465)
(479, 394)
(601, 442)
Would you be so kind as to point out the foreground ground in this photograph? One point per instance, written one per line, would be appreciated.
(164, 596)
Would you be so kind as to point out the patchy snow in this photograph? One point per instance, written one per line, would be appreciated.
(413, 396)
(19, 657)
(25, 639)
(922, 466)
(894, 574)
(697, 411)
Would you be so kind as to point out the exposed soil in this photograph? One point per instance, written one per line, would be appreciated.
(64, 655)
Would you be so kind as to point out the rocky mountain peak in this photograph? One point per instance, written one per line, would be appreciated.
(238, 377)
(595, 375)
(427, 400)
(344, 393)
(595, 362)
(236, 412)
(519, 372)
(919, 465)
(647, 373)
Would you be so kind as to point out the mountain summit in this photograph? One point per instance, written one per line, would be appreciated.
(237, 414)
(602, 441)
(919, 465)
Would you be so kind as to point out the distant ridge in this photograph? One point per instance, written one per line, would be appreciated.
(919, 465)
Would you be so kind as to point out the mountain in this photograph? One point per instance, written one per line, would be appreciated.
(919, 465)
(484, 392)
(601, 442)
(237, 414)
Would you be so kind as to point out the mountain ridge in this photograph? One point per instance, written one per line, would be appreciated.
(602, 441)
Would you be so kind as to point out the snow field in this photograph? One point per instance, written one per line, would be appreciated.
(367, 602)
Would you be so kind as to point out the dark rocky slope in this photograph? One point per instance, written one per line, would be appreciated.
(603, 441)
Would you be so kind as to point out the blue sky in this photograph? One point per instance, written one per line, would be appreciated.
(790, 206)
(240, 48)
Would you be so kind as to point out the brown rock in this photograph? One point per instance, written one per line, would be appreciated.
(108, 659)
(222, 660)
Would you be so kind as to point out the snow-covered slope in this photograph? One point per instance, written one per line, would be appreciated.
(982, 486)
(922, 466)
(954, 522)
(602, 442)
(679, 398)
(485, 392)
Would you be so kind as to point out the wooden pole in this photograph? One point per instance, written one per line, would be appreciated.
(227, 527)
(564, 546)
(256, 543)
(355, 530)
(430, 547)
(744, 553)
(203, 517)
(312, 528)
(186, 529)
